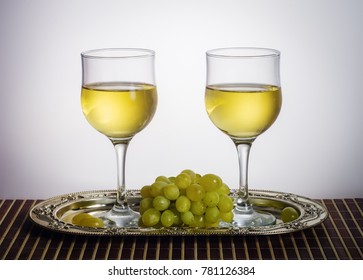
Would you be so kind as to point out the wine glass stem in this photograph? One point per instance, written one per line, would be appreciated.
(121, 198)
(243, 150)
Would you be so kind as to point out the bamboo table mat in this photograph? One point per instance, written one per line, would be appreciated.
(340, 237)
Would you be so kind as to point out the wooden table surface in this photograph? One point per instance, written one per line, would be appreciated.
(339, 237)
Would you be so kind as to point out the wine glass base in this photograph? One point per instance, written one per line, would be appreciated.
(120, 217)
(252, 218)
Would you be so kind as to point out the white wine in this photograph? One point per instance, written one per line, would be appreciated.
(243, 110)
(119, 110)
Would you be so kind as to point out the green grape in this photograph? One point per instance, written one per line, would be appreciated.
(161, 203)
(182, 204)
(198, 207)
(162, 179)
(157, 188)
(79, 217)
(227, 216)
(210, 182)
(211, 198)
(87, 220)
(183, 180)
(223, 189)
(195, 192)
(177, 218)
(187, 217)
(167, 218)
(171, 191)
(212, 215)
(199, 221)
(188, 198)
(197, 178)
(212, 225)
(92, 222)
(151, 217)
(289, 214)
(182, 192)
(145, 191)
(225, 203)
(146, 203)
(191, 173)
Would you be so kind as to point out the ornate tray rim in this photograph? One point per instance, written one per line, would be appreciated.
(45, 214)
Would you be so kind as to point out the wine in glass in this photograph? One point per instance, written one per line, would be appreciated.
(243, 99)
(119, 99)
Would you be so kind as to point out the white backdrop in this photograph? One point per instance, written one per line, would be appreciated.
(314, 148)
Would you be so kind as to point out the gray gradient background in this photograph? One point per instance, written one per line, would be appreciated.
(47, 148)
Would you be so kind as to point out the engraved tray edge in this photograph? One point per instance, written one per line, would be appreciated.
(46, 215)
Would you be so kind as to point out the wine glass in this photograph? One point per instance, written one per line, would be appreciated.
(119, 99)
(243, 99)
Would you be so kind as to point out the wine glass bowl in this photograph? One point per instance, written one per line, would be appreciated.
(119, 99)
(118, 110)
(243, 111)
(243, 99)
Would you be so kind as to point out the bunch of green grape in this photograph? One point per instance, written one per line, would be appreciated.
(187, 199)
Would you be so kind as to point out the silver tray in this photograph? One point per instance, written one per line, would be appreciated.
(56, 214)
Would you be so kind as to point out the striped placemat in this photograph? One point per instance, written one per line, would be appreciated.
(339, 237)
